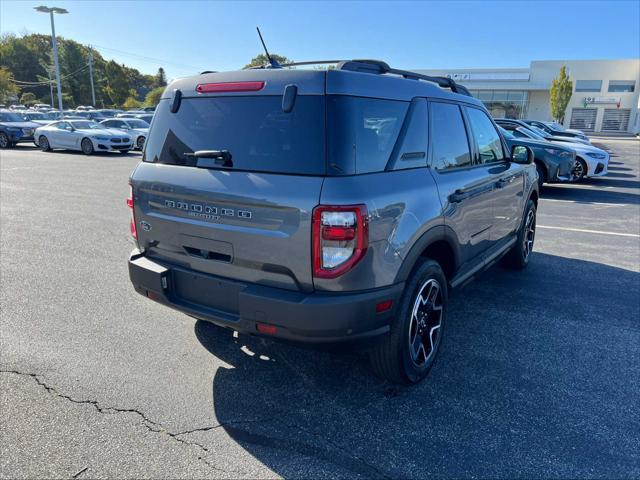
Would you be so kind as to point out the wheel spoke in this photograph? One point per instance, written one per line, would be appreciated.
(416, 346)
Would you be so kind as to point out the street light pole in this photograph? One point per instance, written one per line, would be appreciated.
(54, 43)
(50, 85)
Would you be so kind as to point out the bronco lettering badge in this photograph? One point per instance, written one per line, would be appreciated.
(207, 212)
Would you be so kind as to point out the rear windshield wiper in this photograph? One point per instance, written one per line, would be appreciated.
(212, 158)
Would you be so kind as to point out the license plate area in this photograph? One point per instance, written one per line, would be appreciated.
(206, 291)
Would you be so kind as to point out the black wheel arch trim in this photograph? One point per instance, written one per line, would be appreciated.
(431, 236)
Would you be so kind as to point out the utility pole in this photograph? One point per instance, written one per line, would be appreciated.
(50, 85)
(51, 11)
(93, 93)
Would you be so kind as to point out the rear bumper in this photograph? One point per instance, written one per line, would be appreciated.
(302, 317)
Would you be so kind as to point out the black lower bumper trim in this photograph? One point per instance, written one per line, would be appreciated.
(318, 317)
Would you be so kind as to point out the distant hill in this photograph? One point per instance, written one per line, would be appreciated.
(28, 57)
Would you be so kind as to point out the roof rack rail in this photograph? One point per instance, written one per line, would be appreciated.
(380, 68)
(296, 64)
(377, 67)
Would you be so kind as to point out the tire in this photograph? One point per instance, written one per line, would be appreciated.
(579, 170)
(43, 143)
(140, 143)
(87, 146)
(4, 141)
(402, 356)
(519, 255)
(542, 175)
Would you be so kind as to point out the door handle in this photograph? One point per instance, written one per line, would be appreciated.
(458, 196)
(503, 181)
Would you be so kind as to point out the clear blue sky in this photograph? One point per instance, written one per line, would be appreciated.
(186, 37)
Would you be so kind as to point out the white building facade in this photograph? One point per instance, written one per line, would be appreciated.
(606, 93)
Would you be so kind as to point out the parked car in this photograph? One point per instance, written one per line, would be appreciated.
(41, 118)
(557, 126)
(83, 135)
(590, 161)
(240, 220)
(15, 129)
(554, 163)
(138, 129)
(553, 131)
(542, 133)
(147, 117)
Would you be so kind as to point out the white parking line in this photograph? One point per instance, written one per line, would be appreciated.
(600, 232)
(586, 202)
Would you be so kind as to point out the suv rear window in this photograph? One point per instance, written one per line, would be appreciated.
(254, 129)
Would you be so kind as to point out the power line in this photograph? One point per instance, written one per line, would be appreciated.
(143, 57)
(36, 84)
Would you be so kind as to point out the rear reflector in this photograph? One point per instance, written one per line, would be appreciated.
(266, 329)
(130, 204)
(230, 87)
(384, 306)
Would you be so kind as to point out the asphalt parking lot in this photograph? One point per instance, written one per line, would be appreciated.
(538, 376)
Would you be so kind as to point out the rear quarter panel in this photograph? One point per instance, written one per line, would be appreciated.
(402, 206)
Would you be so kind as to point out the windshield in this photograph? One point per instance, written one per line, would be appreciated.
(85, 125)
(506, 133)
(540, 133)
(10, 117)
(556, 126)
(136, 123)
(51, 116)
(34, 116)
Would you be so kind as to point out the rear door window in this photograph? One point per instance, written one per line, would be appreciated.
(449, 143)
(257, 133)
(486, 136)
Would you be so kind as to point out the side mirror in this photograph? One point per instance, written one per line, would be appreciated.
(522, 154)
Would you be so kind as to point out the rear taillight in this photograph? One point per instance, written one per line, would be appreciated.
(133, 220)
(340, 239)
(230, 87)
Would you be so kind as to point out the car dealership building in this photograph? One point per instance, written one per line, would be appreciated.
(605, 98)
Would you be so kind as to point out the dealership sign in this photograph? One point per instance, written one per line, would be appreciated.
(602, 100)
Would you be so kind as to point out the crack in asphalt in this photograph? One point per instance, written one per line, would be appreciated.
(339, 457)
(150, 425)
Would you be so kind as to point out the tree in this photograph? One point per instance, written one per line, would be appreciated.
(8, 89)
(262, 59)
(160, 79)
(28, 98)
(153, 97)
(131, 102)
(560, 94)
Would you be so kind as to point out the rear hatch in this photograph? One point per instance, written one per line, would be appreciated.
(244, 214)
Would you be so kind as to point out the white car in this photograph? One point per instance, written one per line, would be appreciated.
(138, 129)
(83, 135)
(590, 161)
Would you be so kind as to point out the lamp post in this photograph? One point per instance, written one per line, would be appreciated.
(54, 43)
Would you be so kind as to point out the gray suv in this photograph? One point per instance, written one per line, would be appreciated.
(327, 206)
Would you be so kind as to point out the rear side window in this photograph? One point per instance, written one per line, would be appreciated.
(254, 129)
(362, 133)
(449, 144)
(486, 136)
